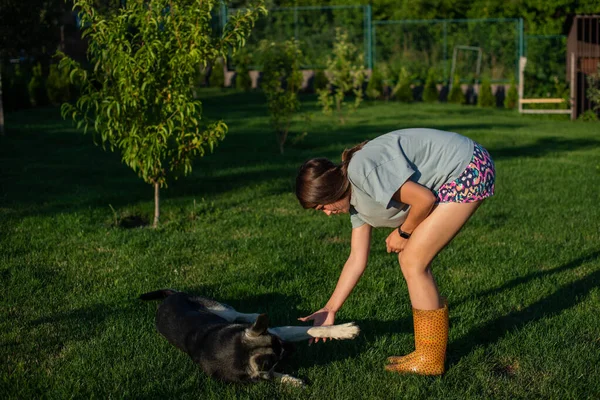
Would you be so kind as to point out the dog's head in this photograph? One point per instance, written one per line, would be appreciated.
(264, 350)
(246, 353)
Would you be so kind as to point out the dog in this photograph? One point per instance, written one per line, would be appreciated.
(229, 345)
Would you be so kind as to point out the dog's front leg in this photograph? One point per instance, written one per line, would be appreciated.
(300, 333)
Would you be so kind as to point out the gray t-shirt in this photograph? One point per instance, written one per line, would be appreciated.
(429, 157)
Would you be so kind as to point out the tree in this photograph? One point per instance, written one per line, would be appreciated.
(346, 73)
(138, 96)
(281, 83)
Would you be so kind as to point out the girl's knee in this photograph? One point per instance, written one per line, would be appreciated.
(411, 264)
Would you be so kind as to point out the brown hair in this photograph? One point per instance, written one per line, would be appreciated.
(321, 182)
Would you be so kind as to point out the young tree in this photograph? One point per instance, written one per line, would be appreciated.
(346, 73)
(281, 83)
(138, 95)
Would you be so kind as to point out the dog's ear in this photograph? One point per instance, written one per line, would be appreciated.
(260, 326)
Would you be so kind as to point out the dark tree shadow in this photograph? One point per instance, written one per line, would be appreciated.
(87, 322)
(542, 147)
(48, 167)
(564, 298)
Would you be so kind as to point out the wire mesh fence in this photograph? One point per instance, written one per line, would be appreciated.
(315, 28)
(451, 46)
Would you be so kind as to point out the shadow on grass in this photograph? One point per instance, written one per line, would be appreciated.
(542, 147)
(564, 298)
(86, 323)
(48, 167)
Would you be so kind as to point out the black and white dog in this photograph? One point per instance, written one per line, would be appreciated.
(232, 346)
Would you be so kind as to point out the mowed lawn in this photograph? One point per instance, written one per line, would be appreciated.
(522, 278)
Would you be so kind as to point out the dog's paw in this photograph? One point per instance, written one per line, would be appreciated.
(341, 332)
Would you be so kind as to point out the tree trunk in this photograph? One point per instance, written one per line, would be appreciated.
(281, 138)
(340, 111)
(1, 105)
(156, 204)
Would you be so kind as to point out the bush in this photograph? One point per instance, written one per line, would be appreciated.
(430, 92)
(242, 69)
(456, 95)
(375, 85)
(36, 87)
(320, 80)
(588, 116)
(486, 98)
(512, 96)
(217, 74)
(58, 87)
(593, 92)
(402, 91)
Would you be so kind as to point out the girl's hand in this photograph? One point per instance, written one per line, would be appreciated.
(394, 242)
(323, 317)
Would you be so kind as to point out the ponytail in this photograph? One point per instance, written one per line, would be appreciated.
(347, 156)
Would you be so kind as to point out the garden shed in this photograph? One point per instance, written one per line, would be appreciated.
(583, 53)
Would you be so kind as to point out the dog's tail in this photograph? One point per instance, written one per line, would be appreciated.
(158, 294)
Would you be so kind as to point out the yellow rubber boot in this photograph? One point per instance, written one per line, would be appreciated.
(431, 338)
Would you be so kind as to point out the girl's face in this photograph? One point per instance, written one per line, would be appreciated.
(339, 207)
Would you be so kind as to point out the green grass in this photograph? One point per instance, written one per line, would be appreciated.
(522, 278)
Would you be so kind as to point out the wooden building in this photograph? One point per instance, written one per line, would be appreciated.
(583, 53)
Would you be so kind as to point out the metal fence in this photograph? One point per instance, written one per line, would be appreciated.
(468, 48)
(451, 45)
(315, 28)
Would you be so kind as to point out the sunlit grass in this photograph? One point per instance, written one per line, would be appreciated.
(522, 278)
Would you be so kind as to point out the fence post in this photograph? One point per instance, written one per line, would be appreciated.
(519, 47)
(522, 63)
(445, 25)
(573, 89)
(369, 39)
(1, 103)
(374, 41)
(296, 23)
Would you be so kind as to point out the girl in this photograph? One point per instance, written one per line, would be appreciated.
(425, 184)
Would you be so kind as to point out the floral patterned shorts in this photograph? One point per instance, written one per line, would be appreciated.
(475, 183)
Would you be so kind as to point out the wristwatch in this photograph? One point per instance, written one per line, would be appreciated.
(403, 234)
